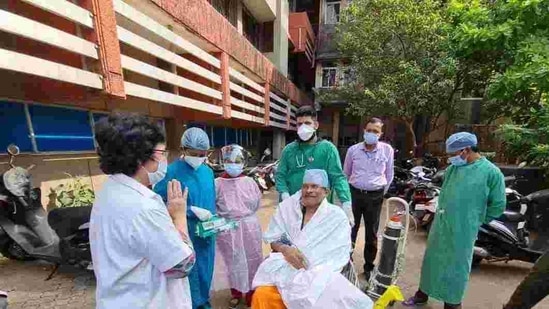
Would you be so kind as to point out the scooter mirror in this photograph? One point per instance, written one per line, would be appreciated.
(522, 165)
(13, 150)
(267, 152)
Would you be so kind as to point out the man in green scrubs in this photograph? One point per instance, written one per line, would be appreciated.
(473, 193)
(310, 152)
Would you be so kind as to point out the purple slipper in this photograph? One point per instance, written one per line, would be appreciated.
(414, 302)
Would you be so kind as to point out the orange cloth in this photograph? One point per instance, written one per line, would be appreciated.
(267, 297)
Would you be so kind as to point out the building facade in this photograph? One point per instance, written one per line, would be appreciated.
(220, 65)
(330, 69)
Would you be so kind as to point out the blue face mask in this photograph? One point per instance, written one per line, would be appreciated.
(457, 160)
(234, 169)
(370, 138)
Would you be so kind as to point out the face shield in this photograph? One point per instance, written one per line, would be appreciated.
(234, 154)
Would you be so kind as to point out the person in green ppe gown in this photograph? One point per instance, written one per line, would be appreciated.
(309, 152)
(473, 193)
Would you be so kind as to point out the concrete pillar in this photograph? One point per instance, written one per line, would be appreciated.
(279, 141)
(267, 102)
(225, 85)
(106, 38)
(279, 56)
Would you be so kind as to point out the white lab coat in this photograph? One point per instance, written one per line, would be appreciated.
(325, 241)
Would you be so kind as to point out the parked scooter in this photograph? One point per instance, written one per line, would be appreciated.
(507, 237)
(27, 232)
(264, 174)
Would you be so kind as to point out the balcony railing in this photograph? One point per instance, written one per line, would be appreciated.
(32, 30)
(302, 35)
(151, 55)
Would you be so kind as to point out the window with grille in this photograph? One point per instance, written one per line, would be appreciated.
(329, 77)
(332, 11)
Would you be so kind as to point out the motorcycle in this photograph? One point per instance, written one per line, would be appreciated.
(217, 168)
(405, 181)
(507, 238)
(423, 205)
(263, 174)
(27, 232)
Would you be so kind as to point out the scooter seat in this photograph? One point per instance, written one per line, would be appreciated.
(66, 221)
(511, 216)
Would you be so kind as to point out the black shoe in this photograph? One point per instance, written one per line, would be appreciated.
(367, 275)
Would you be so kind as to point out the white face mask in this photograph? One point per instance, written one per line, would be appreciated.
(156, 177)
(305, 132)
(234, 169)
(194, 162)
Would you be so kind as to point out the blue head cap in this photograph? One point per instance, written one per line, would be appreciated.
(317, 177)
(195, 138)
(459, 141)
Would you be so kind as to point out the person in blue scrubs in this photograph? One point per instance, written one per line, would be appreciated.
(198, 178)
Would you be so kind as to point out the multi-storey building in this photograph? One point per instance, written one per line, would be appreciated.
(330, 69)
(219, 64)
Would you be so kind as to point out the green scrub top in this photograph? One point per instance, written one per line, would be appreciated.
(298, 157)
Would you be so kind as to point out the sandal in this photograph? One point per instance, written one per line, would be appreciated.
(414, 302)
(234, 302)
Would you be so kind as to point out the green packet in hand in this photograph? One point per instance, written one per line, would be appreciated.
(213, 226)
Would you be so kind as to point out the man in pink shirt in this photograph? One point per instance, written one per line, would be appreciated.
(369, 170)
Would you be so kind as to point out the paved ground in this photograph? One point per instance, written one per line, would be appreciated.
(489, 288)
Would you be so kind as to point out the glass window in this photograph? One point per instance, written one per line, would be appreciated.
(61, 129)
(245, 138)
(12, 116)
(332, 11)
(231, 136)
(329, 77)
(219, 136)
(251, 28)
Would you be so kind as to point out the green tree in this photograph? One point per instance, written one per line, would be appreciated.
(400, 57)
(509, 42)
(529, 141)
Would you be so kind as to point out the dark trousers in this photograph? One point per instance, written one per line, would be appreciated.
(533, 288)
(367, 205)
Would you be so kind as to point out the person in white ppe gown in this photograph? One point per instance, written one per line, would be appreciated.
(238, 198)
(311, 241)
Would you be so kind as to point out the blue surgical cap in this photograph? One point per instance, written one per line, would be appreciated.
(195, 138)
(459, 141)
(317, 177)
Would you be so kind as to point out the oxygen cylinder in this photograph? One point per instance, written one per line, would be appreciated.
(384, 273)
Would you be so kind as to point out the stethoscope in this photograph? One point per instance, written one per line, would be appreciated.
(301, 163)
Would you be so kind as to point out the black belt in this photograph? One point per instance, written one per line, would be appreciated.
(366, 191)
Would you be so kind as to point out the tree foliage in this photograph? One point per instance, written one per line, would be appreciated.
(399, 55)
(509, 42)
(530, 141)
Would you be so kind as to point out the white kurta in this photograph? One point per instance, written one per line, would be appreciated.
(325, 241)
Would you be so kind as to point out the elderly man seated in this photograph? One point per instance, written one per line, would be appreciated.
(311, 241)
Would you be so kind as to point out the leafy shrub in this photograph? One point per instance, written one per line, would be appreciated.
(74, 193)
